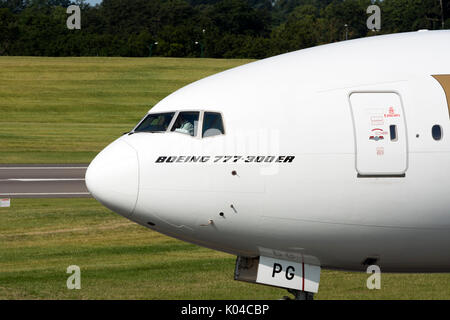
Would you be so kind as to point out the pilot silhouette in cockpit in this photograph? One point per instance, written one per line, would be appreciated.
(185, 126)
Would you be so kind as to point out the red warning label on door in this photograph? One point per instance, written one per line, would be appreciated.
(391, 113)
(377, 134)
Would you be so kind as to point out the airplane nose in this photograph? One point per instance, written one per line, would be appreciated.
(112, 177)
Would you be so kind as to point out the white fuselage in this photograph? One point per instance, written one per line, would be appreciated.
(343, 197)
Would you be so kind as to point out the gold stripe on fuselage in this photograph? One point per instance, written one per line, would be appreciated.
(444, 80)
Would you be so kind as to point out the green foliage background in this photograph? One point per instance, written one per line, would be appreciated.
(233, 28)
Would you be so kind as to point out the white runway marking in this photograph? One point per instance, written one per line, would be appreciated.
(44, 180)
(39, 168)
(45, 194)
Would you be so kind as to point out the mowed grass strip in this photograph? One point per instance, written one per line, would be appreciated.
(65, 110)
(40, 238)
(118, 259)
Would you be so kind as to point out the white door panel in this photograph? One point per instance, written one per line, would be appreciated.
(380, 133)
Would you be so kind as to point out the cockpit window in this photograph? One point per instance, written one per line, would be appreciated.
(157, 122)
(212, 124)
(187, 122)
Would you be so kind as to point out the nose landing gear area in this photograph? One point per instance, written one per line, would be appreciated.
(300, 279)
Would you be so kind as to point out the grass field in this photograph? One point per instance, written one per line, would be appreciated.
(40, 238)
(65, 110)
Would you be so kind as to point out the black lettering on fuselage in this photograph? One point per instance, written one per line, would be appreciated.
(161, 159)
(171, 159)
(289, 159)
(194, 159)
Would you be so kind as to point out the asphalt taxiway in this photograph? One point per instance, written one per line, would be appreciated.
(43, 181)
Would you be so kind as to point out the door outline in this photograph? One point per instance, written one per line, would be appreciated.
(400, 175)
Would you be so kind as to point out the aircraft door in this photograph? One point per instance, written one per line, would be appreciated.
(380, 134)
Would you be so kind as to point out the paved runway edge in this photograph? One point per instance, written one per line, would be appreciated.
(43, 181)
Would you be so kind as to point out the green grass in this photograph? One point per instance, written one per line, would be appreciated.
(40, 238)
(65, 110)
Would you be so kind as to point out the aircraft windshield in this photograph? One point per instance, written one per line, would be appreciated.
(157, 122)
(187, 123)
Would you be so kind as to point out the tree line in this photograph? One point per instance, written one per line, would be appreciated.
(209, 28)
